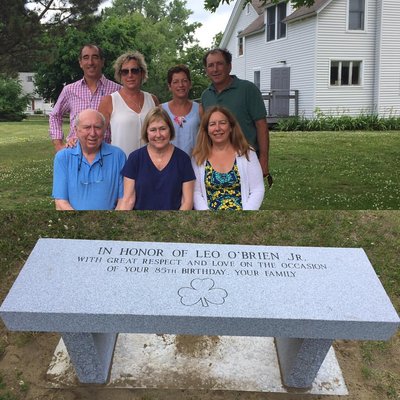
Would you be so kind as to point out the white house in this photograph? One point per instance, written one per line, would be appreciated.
(339, 56)
(28, 87)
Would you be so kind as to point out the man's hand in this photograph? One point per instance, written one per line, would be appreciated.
(62, 205)
(265, 170)
(270, 181)
(58, 144)
(71, 142)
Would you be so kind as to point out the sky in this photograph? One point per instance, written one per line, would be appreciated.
(212, 22)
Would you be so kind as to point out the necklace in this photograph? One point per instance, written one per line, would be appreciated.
(159, 158)
(139, 104)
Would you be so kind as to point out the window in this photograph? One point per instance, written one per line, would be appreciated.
(240, 46)
(345, 73)
(281, 8)
(271, 17)
(247, 9)
(257, 78)
(356, 15)
(29, 78)
(276, 28)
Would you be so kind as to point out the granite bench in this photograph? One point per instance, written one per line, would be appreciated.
(305, 297)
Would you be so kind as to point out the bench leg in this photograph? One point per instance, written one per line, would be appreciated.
(91, 354)
(301, 359)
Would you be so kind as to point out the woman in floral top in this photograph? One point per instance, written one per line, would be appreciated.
(228, 174)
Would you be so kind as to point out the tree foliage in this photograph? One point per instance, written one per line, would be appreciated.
(217, 39)
(212, 5)
(193, 58)
(12, 101)
(20, 32)
(55, 12)
(24, 22)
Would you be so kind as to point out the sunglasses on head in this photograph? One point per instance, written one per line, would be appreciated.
(134, 71)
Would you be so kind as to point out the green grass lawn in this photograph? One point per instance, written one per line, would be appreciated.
(312, 170)
(26, 155)
(334, 170)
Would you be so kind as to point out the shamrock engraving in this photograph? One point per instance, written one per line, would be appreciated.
(203, 291)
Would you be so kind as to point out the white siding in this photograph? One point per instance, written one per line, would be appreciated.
(388, 58)
(297, 49)
(27, 83)
(28, 87)
(299, 53)
(334, 42)
(238, 62)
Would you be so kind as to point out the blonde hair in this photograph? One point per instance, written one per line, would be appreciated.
(130, 55)
(156, 114)
(202, 150)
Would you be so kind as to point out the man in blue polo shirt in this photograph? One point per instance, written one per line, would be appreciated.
(88, 176)
(242, 98)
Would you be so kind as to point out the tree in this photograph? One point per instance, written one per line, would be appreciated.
(56, 12)
(20, 32)
(12, 101)
(23, 22)
(153, 10)
(217, 39)
(193, 58)
(212, 5)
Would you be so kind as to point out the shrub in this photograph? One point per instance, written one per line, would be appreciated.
(323, 122)
(12, 102)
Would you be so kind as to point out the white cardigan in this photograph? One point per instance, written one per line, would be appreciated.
(251, 183)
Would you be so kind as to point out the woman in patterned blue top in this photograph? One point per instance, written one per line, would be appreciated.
(158, 176)
(184, 113)
(228, 173)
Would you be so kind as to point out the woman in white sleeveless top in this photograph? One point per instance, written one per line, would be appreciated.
(126, 109)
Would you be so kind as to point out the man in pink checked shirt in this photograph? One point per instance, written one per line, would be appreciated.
(81, 95)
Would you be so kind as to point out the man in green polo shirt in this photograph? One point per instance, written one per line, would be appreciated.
(242, 98)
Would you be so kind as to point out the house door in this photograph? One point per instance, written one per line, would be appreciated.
(280, 90)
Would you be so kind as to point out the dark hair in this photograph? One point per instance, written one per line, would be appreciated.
(92, 46)
(226, 53)
(175, 70)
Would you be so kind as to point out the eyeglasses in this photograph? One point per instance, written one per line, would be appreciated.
(84, 179)
(133, 71)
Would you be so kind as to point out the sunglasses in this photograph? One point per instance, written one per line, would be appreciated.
(133, 71)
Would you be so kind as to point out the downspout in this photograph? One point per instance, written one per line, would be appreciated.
(377, 56)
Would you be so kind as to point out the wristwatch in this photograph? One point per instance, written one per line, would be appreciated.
(269, 180)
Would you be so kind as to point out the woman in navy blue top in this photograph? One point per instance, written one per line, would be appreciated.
(158, 176)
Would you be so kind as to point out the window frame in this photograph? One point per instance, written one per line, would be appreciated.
(275, 28)
(364, 22)
(240, 46)
(340, 72)
(271, 23)
(257, 71)
(280, 26)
